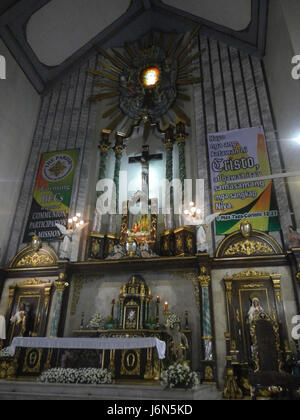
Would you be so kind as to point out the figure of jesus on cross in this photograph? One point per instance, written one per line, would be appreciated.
(145, 160)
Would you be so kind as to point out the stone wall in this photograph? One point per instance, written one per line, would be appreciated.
(19, 106)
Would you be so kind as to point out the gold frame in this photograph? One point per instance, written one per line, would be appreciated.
(137, 369)
(132, 304)
(257, 240)
(37, 366)
(24, 293)
(33, 258)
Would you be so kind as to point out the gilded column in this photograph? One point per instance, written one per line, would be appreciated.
(204, 281)
(142, 314)
(169, 145)
(209, 374)
(276, 280)
(104, 149)
(180, 138)
(60, 286)
(121, 312)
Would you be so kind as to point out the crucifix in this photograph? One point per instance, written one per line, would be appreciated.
(144, 160)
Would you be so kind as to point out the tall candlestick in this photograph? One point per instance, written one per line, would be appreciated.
(82, 321)
(157, 312)
(113, 308)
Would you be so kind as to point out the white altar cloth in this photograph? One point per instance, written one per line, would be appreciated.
(2, 328)
(90, 344)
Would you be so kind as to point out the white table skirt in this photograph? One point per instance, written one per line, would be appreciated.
(2, 328)
(90, 344)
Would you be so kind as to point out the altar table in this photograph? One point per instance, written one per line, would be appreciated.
(90, 344)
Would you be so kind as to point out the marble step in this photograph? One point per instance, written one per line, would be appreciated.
(30, 390)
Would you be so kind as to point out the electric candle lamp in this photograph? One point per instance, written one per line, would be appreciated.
(150, 77)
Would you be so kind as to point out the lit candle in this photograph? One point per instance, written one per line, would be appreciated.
(157, 299)
(166, 306)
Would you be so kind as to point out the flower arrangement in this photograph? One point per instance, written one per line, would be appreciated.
(172, 320)
(89, 376)
(96, 323)
(4, 353)
(179, 376)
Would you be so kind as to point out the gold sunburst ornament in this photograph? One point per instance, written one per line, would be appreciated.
(145, 82)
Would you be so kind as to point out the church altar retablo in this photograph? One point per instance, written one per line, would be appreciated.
(153, 242)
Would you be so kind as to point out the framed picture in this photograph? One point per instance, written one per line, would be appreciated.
(131, 316)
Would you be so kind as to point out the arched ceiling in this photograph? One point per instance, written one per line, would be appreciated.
(233, 14)
(69, 25)
(50, 37)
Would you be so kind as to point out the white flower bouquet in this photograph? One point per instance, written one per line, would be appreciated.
(179, 376)
(4, 354)
(89, 376)
(96, 323)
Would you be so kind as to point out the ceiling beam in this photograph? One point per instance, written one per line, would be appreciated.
(141, 17)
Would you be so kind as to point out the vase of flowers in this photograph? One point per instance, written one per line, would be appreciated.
(181, 376)
(96, 323)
